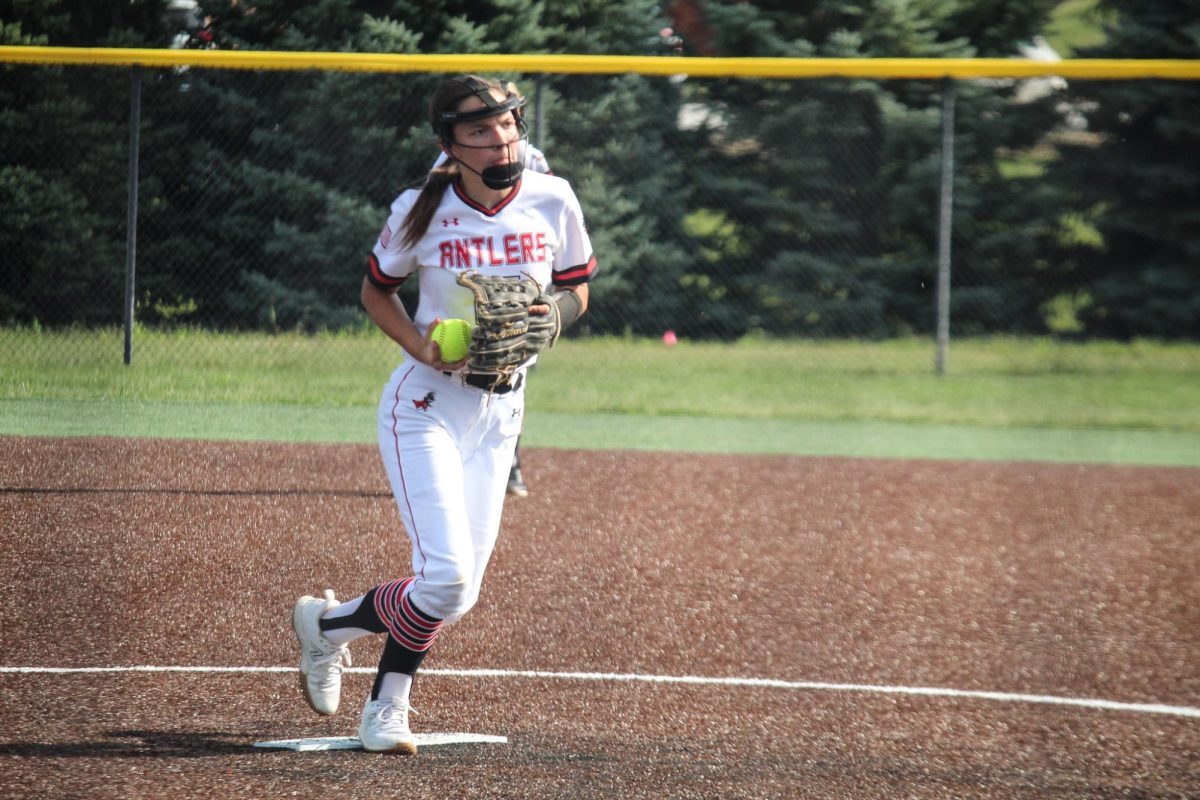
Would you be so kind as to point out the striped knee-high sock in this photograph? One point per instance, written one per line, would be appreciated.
(412, 628)
(411, 632)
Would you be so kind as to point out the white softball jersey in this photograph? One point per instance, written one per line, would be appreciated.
(448, 445)
(538, 230)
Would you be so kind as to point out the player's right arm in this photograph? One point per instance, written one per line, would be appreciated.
(387, 311)
(388, 267)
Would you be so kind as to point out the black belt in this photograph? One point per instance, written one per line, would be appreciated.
(488, 382)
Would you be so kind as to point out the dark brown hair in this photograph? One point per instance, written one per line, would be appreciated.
(446, 98)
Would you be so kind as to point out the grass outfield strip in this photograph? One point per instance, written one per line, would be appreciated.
(998, 382)
(1004, 397)
(355, 425)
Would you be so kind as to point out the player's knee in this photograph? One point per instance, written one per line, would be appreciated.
(448, 598)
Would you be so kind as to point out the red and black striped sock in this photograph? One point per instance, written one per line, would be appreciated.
(411, 632)
(408, 625)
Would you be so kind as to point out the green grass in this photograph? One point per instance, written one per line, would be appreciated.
(998, 382)
(1005, 397)
(195, 366)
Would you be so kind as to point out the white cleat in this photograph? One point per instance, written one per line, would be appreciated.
(321, 661)
(384, 727)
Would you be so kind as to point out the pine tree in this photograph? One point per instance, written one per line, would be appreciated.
(1135, 177)
(820, 196)
(269, 201)
(612, 137)
(63, 188)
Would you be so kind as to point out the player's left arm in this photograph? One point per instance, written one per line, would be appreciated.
(581, 297)
(570, 293)
(572, 302)
(570, 283)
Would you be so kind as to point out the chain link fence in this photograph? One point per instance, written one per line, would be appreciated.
(719, 208)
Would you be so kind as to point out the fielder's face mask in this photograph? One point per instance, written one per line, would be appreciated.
(501, 176)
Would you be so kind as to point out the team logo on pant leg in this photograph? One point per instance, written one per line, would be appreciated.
(426, 402)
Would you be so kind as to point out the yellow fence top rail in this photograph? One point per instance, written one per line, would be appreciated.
(1111, 69)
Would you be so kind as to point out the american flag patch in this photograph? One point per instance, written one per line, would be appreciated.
(385, 235)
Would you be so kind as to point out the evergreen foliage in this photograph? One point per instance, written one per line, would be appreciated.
(826, 191)
(1136, 177)
(64, 139)
(612, 138)
(717, 207)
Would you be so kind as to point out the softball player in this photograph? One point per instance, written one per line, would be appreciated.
(446, 439)
(533, 159)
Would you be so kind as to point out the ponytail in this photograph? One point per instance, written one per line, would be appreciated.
(418, 219)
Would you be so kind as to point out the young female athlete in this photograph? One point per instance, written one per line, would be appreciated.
(533, 159)
(445, 436)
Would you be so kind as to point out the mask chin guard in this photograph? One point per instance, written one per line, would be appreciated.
(502, 176)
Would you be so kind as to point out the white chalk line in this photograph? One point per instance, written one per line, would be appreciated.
(688, 680)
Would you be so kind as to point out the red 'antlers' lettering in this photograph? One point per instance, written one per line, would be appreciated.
(512, 249)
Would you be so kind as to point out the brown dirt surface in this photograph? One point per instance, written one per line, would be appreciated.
(830, 592)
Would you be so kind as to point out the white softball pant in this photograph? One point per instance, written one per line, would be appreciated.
(448, 449)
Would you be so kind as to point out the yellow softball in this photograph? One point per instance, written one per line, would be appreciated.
(453, 336)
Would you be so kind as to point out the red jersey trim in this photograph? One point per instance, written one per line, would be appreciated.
(378, 278)
(573, 276)
(482, 209)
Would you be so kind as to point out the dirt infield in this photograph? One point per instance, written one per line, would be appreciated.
(920, 629)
